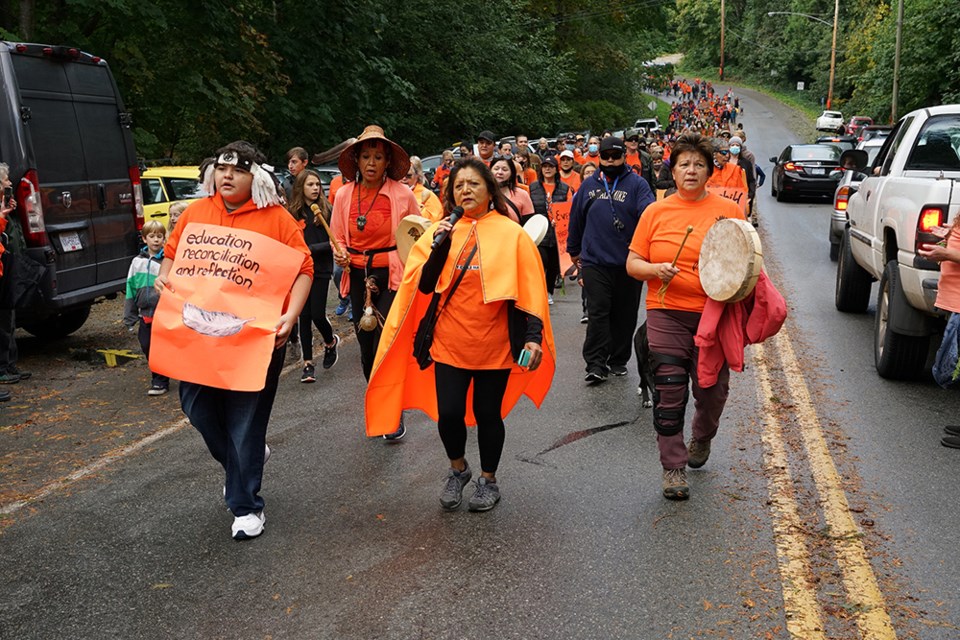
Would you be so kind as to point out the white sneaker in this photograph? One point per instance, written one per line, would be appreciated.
(549, 299)
(248, 526)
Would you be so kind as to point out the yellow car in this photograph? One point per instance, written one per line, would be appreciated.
(162, 186)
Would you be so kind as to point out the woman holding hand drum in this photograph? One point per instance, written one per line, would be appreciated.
(665, 251)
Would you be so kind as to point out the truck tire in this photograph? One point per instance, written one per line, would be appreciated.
(834, 251)
(60, 325)
(898, 357)
(852, 293)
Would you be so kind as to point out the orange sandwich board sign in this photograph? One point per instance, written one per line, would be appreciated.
(218, 325)
(736, 194)
(560, 215)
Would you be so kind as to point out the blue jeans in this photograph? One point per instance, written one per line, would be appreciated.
(234, 427)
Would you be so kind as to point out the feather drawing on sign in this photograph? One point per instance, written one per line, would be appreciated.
(217, 324)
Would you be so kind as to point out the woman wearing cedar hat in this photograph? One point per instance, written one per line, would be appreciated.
(365, 216)
(489, 284)
(673, 319)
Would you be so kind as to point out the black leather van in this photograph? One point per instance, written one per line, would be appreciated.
(66, 136)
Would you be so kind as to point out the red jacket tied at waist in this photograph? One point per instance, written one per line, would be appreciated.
(726, 328)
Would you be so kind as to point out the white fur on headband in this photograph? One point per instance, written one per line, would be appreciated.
(263, 190)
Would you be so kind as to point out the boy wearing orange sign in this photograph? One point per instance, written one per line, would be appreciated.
(234, 423)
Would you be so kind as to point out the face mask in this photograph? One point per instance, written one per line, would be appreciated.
(612, 171)
(734, 150)
(570, 147)
(593, 148)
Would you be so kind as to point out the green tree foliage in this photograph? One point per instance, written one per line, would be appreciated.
(289, 72)
(781, 50)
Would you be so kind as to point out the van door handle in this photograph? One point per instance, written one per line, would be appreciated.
(102, 195)
(866, 198)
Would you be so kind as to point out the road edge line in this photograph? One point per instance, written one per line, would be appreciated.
(801, 609)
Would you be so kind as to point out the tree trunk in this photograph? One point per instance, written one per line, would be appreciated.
(27, 17)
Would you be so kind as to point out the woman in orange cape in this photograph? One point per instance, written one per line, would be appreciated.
(498, 310)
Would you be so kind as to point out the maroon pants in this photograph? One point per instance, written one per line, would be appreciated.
(671, 333)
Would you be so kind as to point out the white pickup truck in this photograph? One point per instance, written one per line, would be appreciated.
(910, 190)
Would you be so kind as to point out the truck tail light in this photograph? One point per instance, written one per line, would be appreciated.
(841, 198)
(931, 217)
(30, 210)
(137, 196)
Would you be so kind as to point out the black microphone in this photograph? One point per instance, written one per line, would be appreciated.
(454, 216)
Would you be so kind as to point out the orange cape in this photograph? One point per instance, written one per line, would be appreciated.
(510, 269)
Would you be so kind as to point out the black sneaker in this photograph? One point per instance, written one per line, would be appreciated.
(595, 375)
(5, 396)
(330, 354)
(618, 370)
(24, 375)
(157, 389)
(399, 433)
(309, 374)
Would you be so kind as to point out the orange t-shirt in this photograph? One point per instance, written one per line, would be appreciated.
(377, 233)
(471, 334)
(659, 234)
(572, 181)
(529, 176)
(948, 291)
(730, 176)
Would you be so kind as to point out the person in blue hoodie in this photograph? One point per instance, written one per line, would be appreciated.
(603, 217)
(141, 298)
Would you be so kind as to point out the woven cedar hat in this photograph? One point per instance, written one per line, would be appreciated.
(399, 164)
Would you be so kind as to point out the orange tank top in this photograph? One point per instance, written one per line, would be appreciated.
(372, 212)
(471, 334)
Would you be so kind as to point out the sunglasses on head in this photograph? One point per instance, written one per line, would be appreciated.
(611, 155)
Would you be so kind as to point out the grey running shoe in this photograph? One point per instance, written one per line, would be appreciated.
(485, 497)
(453, 486)
(675, 484)
(595, 375)
(698, 453)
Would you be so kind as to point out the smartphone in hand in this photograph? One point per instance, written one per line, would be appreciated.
(7, 195)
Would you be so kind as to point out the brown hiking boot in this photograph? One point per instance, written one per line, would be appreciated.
(698, 452)
(675, 484)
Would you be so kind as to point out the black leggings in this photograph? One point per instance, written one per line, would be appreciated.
(315, 311)
(488, 388)
(369, 340)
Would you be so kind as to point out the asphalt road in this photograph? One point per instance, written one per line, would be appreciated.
(582, 544)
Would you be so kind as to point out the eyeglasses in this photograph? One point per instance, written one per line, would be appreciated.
(611, 155)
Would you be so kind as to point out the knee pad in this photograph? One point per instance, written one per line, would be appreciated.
(669, 422)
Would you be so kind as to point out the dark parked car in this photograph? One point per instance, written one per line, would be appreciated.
(806, 169)
(844, 142)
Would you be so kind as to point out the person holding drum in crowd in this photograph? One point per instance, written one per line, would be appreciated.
(430, 206)
(544, 192)
(519, 205)
(665, 253)
(366, 213)
(492, 331)
(308, 192)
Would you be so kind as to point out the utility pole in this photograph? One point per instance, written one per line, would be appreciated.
(896, 65)
(833, 51)
(723, 29)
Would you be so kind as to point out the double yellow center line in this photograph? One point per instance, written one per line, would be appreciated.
(803, 613)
